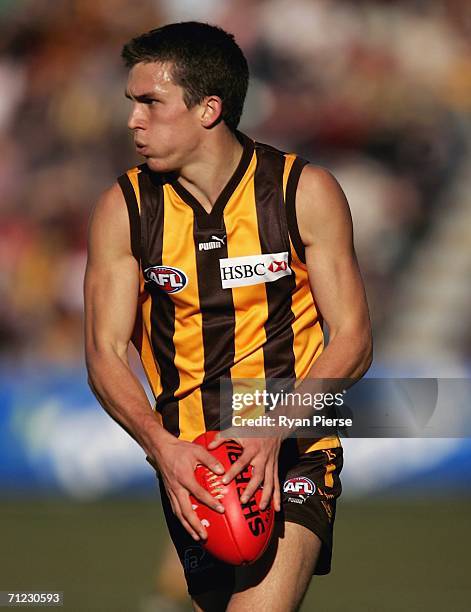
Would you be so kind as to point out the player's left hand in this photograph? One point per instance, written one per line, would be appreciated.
(262, 454)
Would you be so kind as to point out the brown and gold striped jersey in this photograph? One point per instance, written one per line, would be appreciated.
(223, 294)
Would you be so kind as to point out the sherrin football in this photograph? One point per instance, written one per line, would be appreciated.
(241, 534)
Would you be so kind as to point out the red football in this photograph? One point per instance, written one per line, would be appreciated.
(241, 534)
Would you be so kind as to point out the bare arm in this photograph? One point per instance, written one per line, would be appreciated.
(325, 226)
(111, 294)
(111, 291)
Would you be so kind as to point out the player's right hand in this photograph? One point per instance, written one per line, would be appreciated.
(176, 461)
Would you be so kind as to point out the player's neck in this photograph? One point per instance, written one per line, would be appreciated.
(217, 160)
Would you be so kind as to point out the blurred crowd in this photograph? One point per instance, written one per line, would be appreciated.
(377, 91)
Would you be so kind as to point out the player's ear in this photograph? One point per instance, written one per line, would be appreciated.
(211, 111)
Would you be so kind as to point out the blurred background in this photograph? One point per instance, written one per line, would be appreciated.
(377, 91)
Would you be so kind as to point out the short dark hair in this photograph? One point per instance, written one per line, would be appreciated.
(205, 59)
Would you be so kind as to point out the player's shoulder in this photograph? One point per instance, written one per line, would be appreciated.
(113, 199)
(319, 190)
(110, 213)
(110, 203)
(321, 205)
(318, 180)
(109, 227)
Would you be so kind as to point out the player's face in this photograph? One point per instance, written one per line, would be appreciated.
(166, 132)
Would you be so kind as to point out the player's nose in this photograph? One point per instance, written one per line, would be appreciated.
(136, 118)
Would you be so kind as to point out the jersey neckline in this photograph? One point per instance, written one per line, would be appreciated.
(214, 217)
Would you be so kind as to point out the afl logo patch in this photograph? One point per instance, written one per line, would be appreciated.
(170, 280)
(300, 486)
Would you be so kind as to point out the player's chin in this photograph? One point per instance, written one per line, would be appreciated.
(154, 164)
(157, 164)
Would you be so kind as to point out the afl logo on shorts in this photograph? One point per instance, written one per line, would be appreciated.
(192, 558)
(170, 280)
(299, 486)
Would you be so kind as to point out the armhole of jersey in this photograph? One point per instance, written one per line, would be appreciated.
(291, 188)
(133, 212)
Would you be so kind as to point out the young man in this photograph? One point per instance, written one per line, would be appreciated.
(205, 256)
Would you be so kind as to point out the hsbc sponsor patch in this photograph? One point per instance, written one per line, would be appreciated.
(253, 269)
(170, 280)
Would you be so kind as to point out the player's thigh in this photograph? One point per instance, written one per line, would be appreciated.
(280, 580)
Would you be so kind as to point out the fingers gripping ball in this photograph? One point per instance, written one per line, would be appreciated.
(241, 534)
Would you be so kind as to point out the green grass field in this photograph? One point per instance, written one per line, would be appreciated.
(389, 555)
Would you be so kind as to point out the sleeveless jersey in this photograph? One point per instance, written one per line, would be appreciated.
(223, 294)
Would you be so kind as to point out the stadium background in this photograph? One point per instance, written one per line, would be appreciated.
(379, 92)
